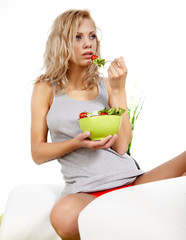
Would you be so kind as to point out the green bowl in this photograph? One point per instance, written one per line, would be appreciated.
(100, 126)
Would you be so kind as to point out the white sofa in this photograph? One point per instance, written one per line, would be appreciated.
(26, 215)
(146, 212)
(152, 211)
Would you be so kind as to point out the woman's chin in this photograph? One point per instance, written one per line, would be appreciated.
(86, 63)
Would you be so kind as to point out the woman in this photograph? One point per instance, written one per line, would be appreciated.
(71, 84)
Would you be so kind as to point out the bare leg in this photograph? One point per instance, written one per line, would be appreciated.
(171, 169)
(65, 213)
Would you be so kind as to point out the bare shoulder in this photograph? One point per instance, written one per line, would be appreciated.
(42, 87)
(42, 93)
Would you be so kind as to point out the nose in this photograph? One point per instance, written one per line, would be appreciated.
(87, 43)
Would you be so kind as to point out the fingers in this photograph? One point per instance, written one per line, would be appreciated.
(112, 71)
(105, 143)
(83, 136)
(121, 64)
(117, 67)
(101, 144)
(86, 134)
(111, 141)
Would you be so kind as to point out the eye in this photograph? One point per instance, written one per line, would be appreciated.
(93, 36)
(78, 37)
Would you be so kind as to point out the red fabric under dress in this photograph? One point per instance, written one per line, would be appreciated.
(99, 193)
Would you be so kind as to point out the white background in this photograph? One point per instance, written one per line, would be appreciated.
(151, 37)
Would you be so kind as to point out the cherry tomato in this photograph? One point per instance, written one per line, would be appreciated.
(94, 57)
(83, 115)
(103, 113)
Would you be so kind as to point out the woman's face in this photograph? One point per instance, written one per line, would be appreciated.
(86, 43)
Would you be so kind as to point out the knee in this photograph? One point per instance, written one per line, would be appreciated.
(64, 220)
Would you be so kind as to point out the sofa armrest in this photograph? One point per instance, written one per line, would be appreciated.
(148, 211)
(27, 211)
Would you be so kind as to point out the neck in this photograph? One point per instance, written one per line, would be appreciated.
(76, 77)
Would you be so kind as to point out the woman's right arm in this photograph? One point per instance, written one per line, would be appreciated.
(41, 150)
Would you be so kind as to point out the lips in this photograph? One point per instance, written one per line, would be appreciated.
(88, 54)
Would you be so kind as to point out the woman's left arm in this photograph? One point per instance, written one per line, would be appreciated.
(117, 74)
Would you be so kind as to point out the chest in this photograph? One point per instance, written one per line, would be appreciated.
(84, 95)
(62, 119)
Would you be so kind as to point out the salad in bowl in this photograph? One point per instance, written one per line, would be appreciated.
(101, 123)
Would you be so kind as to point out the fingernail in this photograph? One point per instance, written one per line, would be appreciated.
(87, 133)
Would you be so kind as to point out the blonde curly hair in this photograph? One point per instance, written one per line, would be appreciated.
(59, 50)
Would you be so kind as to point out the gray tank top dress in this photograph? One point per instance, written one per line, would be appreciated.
(87, 170)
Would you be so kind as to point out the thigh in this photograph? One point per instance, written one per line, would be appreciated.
(65, 213)
(175, 167)
(72, 204)
(79, 200)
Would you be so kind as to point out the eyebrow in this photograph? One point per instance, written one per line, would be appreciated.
(92, 32)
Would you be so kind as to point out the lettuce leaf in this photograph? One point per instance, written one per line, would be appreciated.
(113, 111)
(100, 62)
